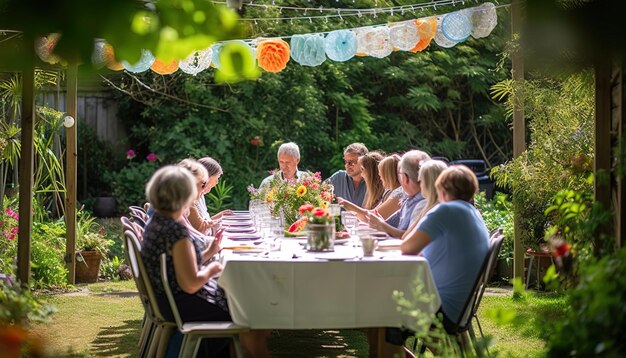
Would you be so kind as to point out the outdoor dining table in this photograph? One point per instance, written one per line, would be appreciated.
(296, 289)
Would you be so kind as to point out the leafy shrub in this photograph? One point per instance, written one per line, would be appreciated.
(220, 197)
(594, 325)
(48, 249)
(498, 213)
(129, 183)
(19, 306)
(560, 115)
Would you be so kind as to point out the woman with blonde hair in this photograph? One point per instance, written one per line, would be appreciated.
(389, 202)
(428, 174)
(198, 221)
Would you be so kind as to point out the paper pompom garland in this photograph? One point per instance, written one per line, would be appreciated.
(44, 47)
(441, 39)
(164, 68)
(308, 50)
(340, 45)
(272, 55)
(111, 62)
(426, 29)
(404, 36)
(97, 56)
(375, 42)
(196, 62)
(145, 61)
(456, 26)
(484, 19)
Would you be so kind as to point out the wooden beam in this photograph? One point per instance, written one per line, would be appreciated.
(602, 152)
(519, 129)
(71, 99)
(26, 172)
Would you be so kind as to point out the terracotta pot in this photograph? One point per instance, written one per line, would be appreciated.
(87, 266)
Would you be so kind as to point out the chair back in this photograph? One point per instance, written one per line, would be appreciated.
(168, 292)
(130, 225)
(138, 211)
(139, 220)
(133, 249)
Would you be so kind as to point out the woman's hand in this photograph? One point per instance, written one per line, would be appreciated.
(216, 245)
(375, 221)
(214, 268)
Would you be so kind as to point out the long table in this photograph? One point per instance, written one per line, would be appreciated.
(293, 289)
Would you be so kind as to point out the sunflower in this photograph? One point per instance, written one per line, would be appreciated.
(301, 191)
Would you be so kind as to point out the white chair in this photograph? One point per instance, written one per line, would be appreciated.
(156, 330)
(193, 332)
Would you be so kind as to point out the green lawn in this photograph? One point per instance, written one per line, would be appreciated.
(103, 319)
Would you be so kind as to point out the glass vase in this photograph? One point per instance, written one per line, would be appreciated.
(321, 237)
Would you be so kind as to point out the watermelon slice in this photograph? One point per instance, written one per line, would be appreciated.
(298, 225)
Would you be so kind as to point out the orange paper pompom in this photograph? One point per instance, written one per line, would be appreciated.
(272, 55)
(109, 56)
(164, 68)
(426, 28)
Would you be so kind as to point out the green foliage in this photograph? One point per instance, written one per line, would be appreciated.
(129, 184)
(220, 197)
(47, 252)
(95, 157)
(498, 214)
(594, 325)
(560, 120)
(110, 268)
(19, 306)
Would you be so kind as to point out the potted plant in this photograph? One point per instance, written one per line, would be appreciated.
(92, 247)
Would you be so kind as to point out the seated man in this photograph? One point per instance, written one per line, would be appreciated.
(412, 204)
(349, 183)
(288, 159)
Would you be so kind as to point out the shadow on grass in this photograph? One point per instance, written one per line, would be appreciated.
(318, 343)
(119, 340)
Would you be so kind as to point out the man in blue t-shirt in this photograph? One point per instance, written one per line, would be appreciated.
(349, 183)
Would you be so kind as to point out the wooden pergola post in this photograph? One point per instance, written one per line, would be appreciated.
(71, 171)
(26, 170)
(519, 130)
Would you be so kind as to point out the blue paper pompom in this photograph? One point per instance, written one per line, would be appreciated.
(145, 61)
(308, 50)
(215, 55)
(341, 45)
(456, 26)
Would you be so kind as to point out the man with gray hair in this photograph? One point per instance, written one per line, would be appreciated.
(413, 201)
(288, 159)
(349, 183)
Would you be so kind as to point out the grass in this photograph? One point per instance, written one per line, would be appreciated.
(103, 319)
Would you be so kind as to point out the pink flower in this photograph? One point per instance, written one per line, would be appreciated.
(130, 154)
(152, 157)
(256, 141)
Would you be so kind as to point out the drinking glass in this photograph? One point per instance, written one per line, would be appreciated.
(350, 221)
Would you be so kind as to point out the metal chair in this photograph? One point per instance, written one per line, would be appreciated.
(157, 329)
(193, 332)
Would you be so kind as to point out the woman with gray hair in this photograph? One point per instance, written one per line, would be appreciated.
(171, 191)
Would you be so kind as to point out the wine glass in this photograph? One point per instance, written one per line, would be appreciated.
(350, 221)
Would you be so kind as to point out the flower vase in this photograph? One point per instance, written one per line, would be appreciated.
(321, 237)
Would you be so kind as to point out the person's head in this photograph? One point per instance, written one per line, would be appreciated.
(215, 172)
(351, 158)
(288, 159)
(388, 171)
(369, 167)
(458, 182)
(171, 188)
(369, 170)
(199, 172)
(408, 170)
(429, 172)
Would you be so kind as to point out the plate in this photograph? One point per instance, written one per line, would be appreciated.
(389, 245)
(237, 223)
(239, 230)
(341, 241)
(248, 251)
(242, 236)
(334, 256)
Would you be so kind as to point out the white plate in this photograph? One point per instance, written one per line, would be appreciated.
(248, 251)
(335, 256)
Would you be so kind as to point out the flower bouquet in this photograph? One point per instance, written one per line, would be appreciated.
(320, 227)
(285, 197)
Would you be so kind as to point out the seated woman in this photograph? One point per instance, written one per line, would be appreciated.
(428, 174)
(171, 191)
(453, 238)
(385, 174)
(215, 172)
(203, 224)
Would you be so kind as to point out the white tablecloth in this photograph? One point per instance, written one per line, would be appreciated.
(308, 293)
